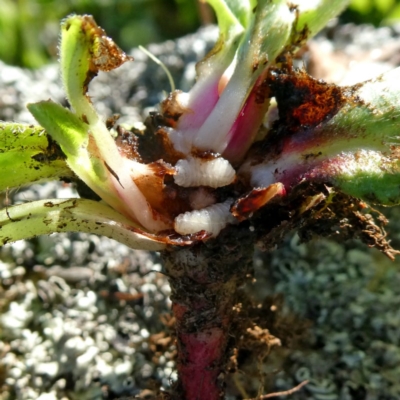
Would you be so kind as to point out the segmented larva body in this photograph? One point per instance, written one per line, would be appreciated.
(214, 173)
(211, 219)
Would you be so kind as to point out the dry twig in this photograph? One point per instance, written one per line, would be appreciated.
(284, 393)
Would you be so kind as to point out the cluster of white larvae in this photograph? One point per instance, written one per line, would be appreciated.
(207, 214)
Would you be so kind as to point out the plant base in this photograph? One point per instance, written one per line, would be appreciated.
(204, 281)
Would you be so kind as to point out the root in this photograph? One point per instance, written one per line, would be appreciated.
(283, 393)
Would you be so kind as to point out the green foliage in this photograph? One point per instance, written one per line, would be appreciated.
(44, 217)
(377, 12)
(29, 28)
(27, 155)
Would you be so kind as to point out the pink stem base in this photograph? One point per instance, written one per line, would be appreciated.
(201, 359)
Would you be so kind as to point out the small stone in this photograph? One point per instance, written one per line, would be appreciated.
(85, 359)
(146, 371)
(47, 396)
(123, 368)
(50, 369)
(15, 373)
(18, 271)
(87, 301)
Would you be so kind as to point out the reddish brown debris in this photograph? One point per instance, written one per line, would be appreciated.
(105, 54)
(155, 144)
(127, 144)
(302, 100)
(172, 109)
(128, 297)
(257, 198)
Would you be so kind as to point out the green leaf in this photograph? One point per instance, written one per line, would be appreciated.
(233, 16)
(314, 15)
(354, 146)
(64, 126)
(27, 155)
(84, 51)
(73, 215)
(97, 162)
(384, 6)
(74, 139)
(232, 12)
(371, 162)
(226, 16)
(372, 176)
(361, 6)
(90, 149)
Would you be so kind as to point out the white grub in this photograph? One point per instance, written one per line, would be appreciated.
(211, 219)
(214, 173)
(201, 198)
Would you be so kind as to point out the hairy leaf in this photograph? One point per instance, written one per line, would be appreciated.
(27, 155)
(73, 215)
